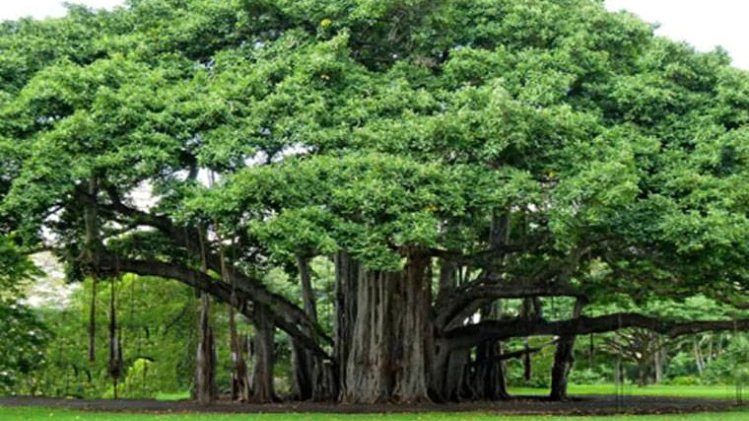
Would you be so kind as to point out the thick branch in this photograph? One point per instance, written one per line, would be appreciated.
(550, 279)
(190, 241)
(204, 283)
(453, 303)
(470, 335)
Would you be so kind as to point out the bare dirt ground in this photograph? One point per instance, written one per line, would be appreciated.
(588, 405)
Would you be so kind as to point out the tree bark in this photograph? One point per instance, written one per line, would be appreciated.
(92, 323)
(563, 359)
(456, 386)
(206, 390)
(471, 335)
(414, 340)
(698, 359)
(658, 361)
(240, 386)
(489, 376)
(443, 386)
(312, 377)
(302, 366)
(308, 293)
(531, 310)
(369, 371)
(262, 377)
(114, 366)
(389, 355)
(347, 273)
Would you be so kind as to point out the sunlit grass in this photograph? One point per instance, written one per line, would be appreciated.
(708, 392)
(173, 396)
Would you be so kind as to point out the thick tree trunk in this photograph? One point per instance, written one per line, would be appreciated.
(658, 361)
(449, 381)
(308, 293)
(347, 273)
(443, 386)
(303, 362)
(313, 378)
(489, 377)
(389, 355)
(262, 376)
(206, 390)
(438, 386)
(414, 342)
(456, 383)
(369, 373)
(240, 386)
(452, 373)
(560, 370)
(303, 368)
(324, 381)
(563, 359)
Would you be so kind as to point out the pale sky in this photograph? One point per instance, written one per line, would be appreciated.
(703, 23)
(14, 9)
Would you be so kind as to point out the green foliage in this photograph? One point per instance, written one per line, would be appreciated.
(540, 362)
(407, 117)
(15, 268)
(24, 337)
(155, 333)
(23, 344)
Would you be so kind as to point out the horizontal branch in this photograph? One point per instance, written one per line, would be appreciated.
(470, 335)
(523, 352)
(451, 303)
(550, 279)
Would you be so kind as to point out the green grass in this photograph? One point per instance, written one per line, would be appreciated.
(173, 396)
(35, 414)
(709, 392)
(715, 392)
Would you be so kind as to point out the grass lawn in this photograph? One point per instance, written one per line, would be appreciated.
(709, 392)
(715, 392)
(35, 414)
(173, 396)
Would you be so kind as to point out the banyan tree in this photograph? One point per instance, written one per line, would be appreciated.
(446, 156)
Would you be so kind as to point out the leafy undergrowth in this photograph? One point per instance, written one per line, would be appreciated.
(38, 414)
